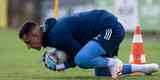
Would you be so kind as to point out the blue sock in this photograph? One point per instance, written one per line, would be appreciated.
(127, 68)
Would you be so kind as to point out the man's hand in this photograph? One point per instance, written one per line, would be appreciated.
(50, 62)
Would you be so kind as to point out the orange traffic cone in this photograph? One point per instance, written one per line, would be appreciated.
(137, 53)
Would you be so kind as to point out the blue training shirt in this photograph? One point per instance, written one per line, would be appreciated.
(71, 33)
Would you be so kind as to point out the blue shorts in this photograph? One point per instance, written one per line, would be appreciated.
(110, 39)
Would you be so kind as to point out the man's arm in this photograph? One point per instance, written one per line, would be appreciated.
(62, 39)
(70, 46)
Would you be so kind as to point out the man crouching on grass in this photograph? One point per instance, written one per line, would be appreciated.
(90, 39)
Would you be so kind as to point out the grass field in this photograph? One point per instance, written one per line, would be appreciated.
(19, 63)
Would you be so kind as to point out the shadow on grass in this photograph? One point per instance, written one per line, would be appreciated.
(72, 78)
(87, 78)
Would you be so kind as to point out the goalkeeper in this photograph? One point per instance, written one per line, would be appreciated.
(87, 39)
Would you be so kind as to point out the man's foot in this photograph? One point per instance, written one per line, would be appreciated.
(151, 68)
(116, 71)
(116, 68)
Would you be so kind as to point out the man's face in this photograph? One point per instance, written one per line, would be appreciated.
(34, 38)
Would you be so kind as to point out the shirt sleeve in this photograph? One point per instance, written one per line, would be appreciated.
(69, 45)
(61, 38)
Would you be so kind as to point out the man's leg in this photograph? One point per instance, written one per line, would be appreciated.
(90, 57)
(106, 44)
(145, 68)
(130, 68)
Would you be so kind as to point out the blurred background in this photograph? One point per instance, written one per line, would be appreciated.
(144, 12)
(19, 63)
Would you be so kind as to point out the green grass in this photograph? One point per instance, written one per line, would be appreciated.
(19, 63)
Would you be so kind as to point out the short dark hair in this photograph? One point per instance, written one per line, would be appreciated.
(26, 28)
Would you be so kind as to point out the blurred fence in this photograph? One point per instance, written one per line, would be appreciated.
(149, 11)
(3, 13)
(38, 10)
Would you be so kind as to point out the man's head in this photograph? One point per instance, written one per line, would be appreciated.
(31, 34)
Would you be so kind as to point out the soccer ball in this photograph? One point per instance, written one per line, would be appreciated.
(57, 56)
